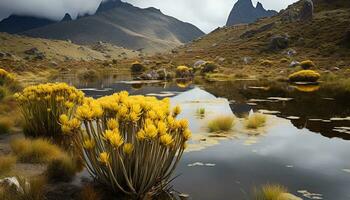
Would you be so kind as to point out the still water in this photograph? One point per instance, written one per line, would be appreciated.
(305, 145)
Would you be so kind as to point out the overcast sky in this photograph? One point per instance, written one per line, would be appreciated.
(206, 14)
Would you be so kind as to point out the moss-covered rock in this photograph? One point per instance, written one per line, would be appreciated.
(304, 76)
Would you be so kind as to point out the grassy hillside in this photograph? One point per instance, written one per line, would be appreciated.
(325, 40)
(58, 50)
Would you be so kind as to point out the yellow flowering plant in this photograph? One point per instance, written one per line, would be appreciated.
(5, 77)
(131, 143)
(43, 106)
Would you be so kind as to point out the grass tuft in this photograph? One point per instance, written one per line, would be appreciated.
(307, 64)
(255, 121)
(270, 192)
(7, 162)
(90, 193)
(35, 151)
(224, 123)
(61, 169)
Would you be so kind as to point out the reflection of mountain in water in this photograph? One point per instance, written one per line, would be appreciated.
(326, 103)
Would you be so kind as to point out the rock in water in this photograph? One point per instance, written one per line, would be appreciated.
(307, 11)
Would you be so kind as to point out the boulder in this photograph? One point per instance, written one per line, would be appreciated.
(198, 64)
(279, 42)
(294, 63)
(306, 11)
(208, 67)
(152, 75)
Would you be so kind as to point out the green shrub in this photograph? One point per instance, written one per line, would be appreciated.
(7, 162)
(218, 124)
(307, 64)
(137, 67)
(42, 105)
(61, 169)
(304, 76)
(89, 75)
(208, 67)
(255, 121)
(35, 151)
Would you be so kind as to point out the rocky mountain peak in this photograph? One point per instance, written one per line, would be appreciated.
(108, 5)
(66, 18)
(244, 12)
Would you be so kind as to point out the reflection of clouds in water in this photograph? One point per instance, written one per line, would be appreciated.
(303, 148)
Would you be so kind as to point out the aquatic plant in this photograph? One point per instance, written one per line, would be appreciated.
(131, 144)
(255, 121)
(42, 105)
(201, 111)
(271, 192)
(137, 67)
(7, 162)
(35, 151)
(307, 64)
(183, 72)
(61, 169)
(222, 123)
(304, 76)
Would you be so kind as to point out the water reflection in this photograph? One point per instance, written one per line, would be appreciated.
(288, 151)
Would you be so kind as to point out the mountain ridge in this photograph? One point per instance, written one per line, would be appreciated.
(244, 12)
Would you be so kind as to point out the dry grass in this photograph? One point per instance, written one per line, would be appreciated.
(35, 151)
(255, 121)
(6, 123)
(61, 169)
(7, 163)
(90, 193)
(224, 124)
(270, 192)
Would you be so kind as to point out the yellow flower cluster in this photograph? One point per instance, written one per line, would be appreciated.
(183, 68)
(5, 76)
(121, 131)
(42, 106)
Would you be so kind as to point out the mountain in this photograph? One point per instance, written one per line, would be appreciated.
(66, 18)
(239, 49)
(122, 24)
(244, 12)
(16, 23)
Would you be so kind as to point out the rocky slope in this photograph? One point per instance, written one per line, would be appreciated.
(17, 23)
(123, 25)
(17, 48)
(281, 39)
(244, 12)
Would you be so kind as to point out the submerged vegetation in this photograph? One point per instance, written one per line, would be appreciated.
(304, 76)
(222, 123)
(255, 121)
(42, 105)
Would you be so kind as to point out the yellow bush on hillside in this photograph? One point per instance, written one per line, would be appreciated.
(130, 143)
(183, 71)
(304, 76)
(307, 64)
(42, 105)
(5, 77)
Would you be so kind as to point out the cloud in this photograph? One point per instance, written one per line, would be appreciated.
(206, 14)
